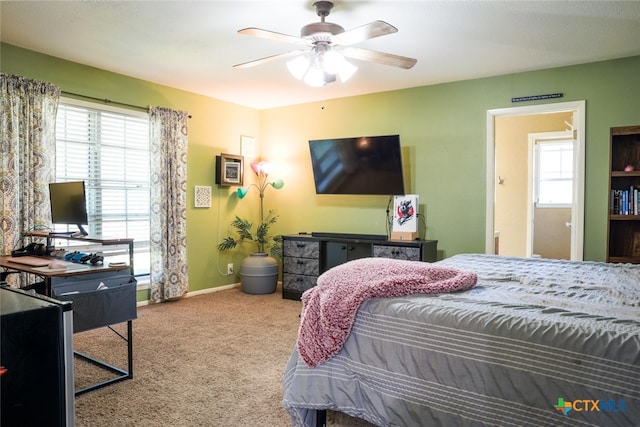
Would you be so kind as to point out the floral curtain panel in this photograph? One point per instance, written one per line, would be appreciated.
(27, 160)
(168, 129)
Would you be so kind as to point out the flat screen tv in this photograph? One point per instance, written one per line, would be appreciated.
(68, 204)
(368, 165)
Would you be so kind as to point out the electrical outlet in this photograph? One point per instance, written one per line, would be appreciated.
(229, 268)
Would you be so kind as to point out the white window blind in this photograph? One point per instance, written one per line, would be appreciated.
(108, 148)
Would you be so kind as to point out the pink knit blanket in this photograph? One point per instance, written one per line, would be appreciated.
(329, 309)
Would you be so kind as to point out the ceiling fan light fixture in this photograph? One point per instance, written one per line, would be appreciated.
(347, 69)
(332, 61)
(321, 68)
(298, 66)
(315, 76)
(335, 63)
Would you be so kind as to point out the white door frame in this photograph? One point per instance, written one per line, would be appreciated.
(534, 138)
(577, 215)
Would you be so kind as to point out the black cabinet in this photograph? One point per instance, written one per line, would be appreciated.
(36, 355)
(336, 253)
(306, 256)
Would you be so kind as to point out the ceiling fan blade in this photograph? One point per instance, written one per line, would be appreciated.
(365, 32)
(272, 35)
(379, 57)
(269, 59)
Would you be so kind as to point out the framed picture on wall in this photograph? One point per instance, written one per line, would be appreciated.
(202, 196)
(229, 169)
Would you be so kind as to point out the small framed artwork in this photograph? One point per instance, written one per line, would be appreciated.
(405, 217)
(202, 196)
(229, 169)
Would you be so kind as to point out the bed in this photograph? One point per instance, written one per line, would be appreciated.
(535, 342)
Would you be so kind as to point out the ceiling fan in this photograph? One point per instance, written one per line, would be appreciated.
(326, 45)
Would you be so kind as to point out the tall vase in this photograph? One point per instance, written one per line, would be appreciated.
(259, 274)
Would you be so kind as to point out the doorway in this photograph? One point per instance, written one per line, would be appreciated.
(550, 194)
(510, 217)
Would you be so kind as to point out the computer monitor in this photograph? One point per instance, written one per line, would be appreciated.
(68, 204)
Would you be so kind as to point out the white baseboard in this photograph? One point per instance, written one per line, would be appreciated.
(209, 290)
(200, 292)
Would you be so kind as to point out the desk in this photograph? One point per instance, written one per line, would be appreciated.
(104, 241)
(73, 269)
(92, 308)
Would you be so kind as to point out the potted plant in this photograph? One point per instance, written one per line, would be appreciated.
(259, 271)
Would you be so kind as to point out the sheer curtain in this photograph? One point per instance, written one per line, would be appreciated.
(27, 160)
(168, 152)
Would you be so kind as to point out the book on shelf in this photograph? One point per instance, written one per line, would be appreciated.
(625, 202)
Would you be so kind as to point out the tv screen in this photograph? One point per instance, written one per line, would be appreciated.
(68, 205)
(368, 165)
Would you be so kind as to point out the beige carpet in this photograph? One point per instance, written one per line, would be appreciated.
(208, 360)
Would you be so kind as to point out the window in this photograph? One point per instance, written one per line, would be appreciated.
(108, 148)
(554, 174)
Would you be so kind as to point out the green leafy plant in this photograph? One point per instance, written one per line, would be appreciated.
(261, 237)
(244, 228)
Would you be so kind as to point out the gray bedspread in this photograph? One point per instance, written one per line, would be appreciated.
(537, 342)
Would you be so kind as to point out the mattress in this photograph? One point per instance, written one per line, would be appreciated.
(536, 342)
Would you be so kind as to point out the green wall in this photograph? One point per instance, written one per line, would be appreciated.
(443, 133)
(215, 127)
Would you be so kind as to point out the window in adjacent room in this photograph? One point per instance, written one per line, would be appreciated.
(554, 173)
(108, 148)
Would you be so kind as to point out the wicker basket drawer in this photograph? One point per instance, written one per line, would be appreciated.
(396, 252)
(297, 282)
(308, 266)
(301, 249)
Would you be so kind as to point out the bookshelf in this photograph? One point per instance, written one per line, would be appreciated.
(623, 225)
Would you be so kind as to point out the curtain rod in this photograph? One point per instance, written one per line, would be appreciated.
(108, 101)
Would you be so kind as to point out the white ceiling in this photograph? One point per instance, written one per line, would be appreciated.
(193, 45)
